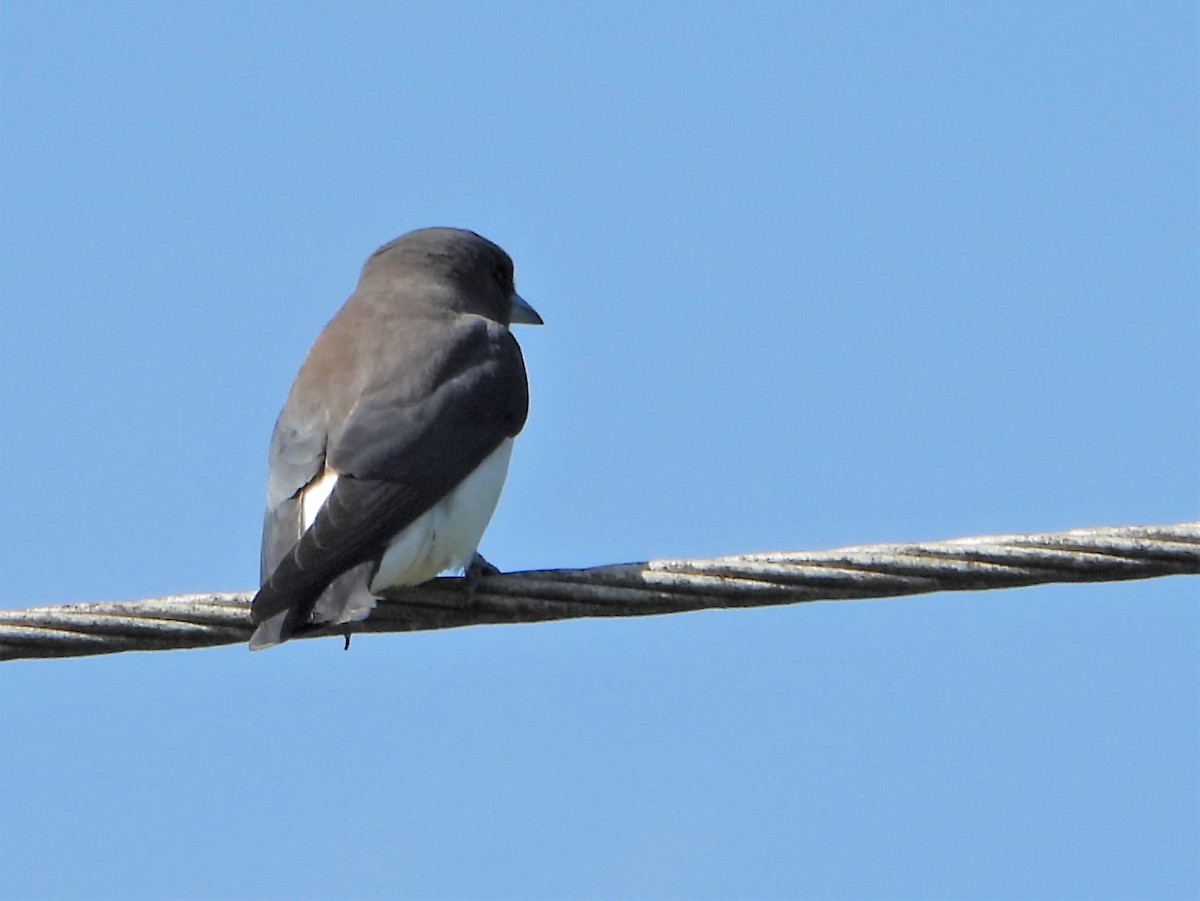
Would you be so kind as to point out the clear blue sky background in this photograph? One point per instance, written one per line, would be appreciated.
(813, 274)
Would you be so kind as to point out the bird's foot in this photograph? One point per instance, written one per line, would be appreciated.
(476, 570)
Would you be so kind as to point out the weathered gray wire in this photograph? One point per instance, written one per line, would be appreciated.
(637, 589)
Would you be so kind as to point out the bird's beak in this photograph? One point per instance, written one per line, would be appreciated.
(521, 313)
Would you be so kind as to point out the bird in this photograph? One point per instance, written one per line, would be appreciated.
(388, 457)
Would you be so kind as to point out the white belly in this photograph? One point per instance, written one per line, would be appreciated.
(446, 536)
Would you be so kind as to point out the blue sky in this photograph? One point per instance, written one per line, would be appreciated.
(813, 274)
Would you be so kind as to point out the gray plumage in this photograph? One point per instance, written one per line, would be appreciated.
(413, 385)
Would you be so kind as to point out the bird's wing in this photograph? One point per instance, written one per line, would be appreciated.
(406, 444)
(296, 459)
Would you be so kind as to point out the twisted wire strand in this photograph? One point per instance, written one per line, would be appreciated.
(636, 589)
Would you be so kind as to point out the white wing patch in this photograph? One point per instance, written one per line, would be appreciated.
(314, 496)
